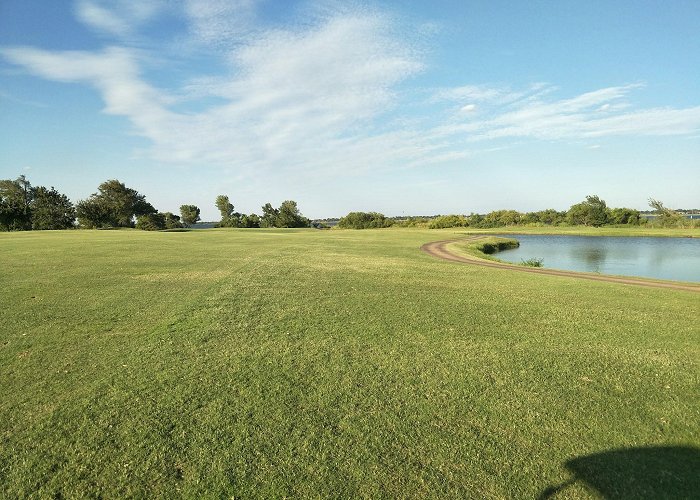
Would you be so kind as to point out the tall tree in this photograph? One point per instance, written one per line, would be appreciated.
(190, 214)
(15, 204)
(172, 221)
(228, 217)
(592, 212)
(51, 209)
(114, 205)
(270, 216)
(666, 216)
(289, 215)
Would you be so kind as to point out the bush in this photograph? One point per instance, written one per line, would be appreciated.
(532, 262)
(492, 245)
(364, 220)
(151, 222)
(445, 221)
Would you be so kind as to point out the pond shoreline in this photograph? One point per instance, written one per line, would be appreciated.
(440, 249)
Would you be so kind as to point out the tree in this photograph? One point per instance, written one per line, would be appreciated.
(445, 221)
(51, 209)
(252, 220)
(475, 220)
(624, 216)
(228, 217)
(289, 215)
(190, 214)
(364, 220)
(114, 205)
(550, 216)
(172, 221)
(499, 218)
(151, 222)
(592, 212)
(270, 216)
(666, 216)
(15, 204)
(93, 213)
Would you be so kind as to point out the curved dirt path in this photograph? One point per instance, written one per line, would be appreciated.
(439, 249)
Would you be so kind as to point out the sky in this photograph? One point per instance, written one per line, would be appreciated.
(403, 107)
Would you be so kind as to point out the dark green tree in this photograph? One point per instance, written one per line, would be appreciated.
(551, 216)
(364, 220)
(592, 212)
(15, 204)
(190, 214)
(51, 209)
(151, 222)
(172, 221)
(289, 215)
(229, 218)
(93, 213)
(252, 220)
(114, 205)
(270, 216)
(624, 216)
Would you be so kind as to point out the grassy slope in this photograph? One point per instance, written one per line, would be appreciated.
(304, 363)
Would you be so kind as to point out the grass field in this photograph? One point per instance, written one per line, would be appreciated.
(273, 363)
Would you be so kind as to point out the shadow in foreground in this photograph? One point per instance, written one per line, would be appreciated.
(651, 472)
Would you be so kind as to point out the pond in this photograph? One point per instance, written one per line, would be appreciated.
(659, 258)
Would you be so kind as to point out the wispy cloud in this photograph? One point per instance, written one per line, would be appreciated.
(299, 99)
(219, 22)
(312, 99)
(599, 113)
(120, 18)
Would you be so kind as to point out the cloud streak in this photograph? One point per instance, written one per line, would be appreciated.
(119, 18)
(600, 113)
(314, 99)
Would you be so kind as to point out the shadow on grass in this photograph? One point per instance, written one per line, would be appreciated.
(651, 472)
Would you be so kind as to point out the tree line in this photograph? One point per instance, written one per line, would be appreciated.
(593, 211)
(287, 215)
(24, 207)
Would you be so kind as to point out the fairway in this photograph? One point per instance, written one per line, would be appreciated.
(301, 363)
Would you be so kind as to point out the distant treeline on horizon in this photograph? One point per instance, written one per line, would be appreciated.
(25, 207)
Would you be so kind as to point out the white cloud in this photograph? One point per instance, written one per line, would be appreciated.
(598, 113)
(118, 18)
(311, 100)
(218, 22)
(473, 93)
(300, 100)
(101, 18)
(114, 72)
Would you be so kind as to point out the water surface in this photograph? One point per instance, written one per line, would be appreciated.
(660, 258)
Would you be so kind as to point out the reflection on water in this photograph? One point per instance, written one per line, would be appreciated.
(594, 257)
(661, 258)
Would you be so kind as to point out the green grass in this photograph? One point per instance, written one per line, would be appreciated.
(272, 363)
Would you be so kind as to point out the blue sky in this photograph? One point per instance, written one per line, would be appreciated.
(406, 107)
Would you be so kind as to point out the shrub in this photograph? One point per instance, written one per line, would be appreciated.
(492, 245)
(364, 220)
(151, 222)
(445, 221)
(532, 262)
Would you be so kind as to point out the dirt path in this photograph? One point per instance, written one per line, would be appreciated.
(439, 249)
